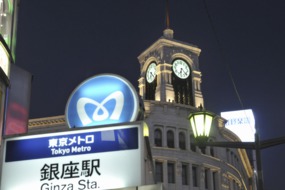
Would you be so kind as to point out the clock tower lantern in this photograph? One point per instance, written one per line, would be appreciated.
(170, 72)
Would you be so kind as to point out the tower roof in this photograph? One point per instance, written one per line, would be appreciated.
(168, 40)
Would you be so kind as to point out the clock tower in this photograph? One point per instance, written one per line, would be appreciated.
(170, 72)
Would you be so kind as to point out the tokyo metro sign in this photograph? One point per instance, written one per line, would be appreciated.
(100, 100)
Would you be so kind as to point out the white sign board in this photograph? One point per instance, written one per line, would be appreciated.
(241, 123)
(4, 60)
(97, 158)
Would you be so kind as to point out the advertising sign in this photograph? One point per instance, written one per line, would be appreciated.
(241, 123)
(18, 101)
(105, 158)
(100, 100)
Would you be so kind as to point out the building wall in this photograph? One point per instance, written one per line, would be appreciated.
(214, 169)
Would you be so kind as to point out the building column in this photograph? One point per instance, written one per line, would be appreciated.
(211, 180)
(165, 174)
(202, 177)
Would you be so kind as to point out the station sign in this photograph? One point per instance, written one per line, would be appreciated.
(101, 100)
(93, 158)
(242, 123)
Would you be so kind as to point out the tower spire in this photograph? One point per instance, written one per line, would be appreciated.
(167, 33)
(167, 15)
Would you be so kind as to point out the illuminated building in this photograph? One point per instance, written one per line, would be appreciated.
(8, 23)
(170, 86)
(169, 98)
(15, 82)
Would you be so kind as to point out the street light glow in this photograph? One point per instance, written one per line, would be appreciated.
(201, 123)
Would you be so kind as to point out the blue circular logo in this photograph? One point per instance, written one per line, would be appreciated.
(100, 100)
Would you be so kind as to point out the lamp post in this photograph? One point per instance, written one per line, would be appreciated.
(201, 123)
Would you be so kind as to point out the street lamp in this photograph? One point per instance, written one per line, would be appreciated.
(201, 123)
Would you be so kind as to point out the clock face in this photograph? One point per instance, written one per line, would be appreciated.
(181, 68)
(151, 72)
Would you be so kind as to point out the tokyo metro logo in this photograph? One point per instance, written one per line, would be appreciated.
(84, 118)
(101, 100)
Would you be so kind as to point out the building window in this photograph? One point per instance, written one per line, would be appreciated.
(232, 158)
(171, 172)
(215, 177)
(212, 153)
(159, 171)
(192, 145)
(195, 176)
(206, 180)
(182, 141)
(184, 174)
(236, 161)
(158, 137)
(228, 155)
(170, 139)
(203, 150)
(235, 185)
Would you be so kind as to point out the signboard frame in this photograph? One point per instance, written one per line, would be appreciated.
(128, 164)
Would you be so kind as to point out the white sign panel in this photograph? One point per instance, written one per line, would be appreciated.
(4, 60)
(104, 158)
(241, 123)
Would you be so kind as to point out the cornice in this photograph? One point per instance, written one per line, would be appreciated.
(167, 42)
(46, 121)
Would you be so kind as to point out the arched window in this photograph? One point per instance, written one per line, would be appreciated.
(192, 145)
(170, 139)
(182, 141)
(203, 150)
(228, 152)
(158, 137)
(212, 153)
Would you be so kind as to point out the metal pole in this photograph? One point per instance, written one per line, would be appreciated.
(258, 163)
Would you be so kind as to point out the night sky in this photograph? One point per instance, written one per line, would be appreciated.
(64, 42)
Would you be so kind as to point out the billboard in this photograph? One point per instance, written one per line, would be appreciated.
(100, 100)
(241, 123)
(18, 101)
(93, 158)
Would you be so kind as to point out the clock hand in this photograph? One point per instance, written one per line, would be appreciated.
(182, 70)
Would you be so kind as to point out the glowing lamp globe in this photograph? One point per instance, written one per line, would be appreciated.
(201, 123)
